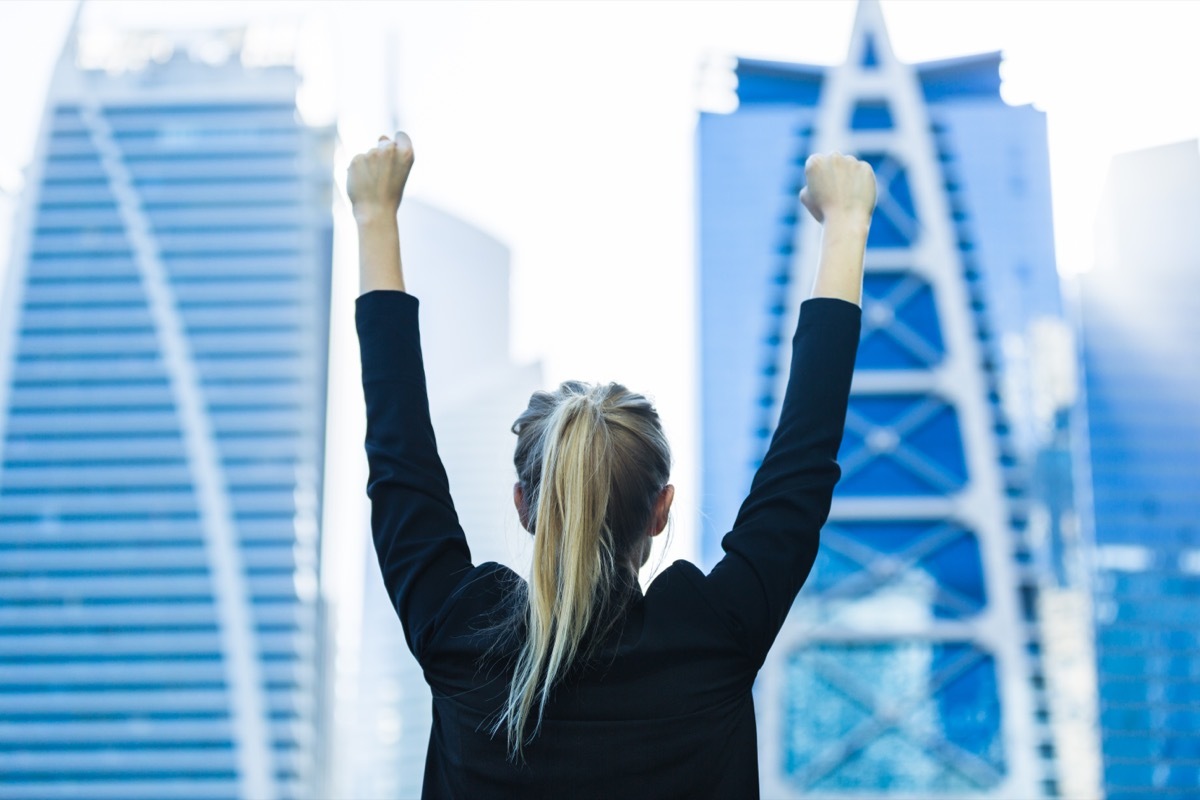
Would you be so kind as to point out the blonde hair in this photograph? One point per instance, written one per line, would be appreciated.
(591, 460)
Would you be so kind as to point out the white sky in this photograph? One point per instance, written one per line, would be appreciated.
(567, 130)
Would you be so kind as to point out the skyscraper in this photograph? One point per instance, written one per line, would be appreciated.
(1140, 323)
(911, 662)
(162, 391)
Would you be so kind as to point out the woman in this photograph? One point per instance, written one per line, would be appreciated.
(576, 684)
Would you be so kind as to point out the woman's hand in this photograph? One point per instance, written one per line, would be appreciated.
(375, 183)
(376, 178)
(839, 186)
(841, 196)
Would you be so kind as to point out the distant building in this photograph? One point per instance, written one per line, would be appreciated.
(911, 664)
(163, 336)
(461, 277)
(1140, 322)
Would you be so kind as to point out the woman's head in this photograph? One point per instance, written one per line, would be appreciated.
(612, 435)
(592, 469)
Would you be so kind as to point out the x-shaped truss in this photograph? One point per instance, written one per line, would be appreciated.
(887, 171)
(894, 327)
(881, 569)
(912, 459)
(894, 713)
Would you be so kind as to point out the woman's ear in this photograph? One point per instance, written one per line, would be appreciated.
(662, 509)
(522, 506)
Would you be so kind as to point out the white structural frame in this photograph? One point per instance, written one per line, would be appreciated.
(958, 380)
(251, 733)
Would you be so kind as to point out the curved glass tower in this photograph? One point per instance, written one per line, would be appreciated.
(911, 662)
(162, 394)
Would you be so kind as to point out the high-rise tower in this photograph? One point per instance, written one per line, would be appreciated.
(1140, 323)
(910, 664)
(162, 393)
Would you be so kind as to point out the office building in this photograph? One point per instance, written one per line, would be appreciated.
(163, 341)
(1139, 318)
(911, 663)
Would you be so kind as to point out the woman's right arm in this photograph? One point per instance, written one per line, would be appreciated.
(422, 550)
(773, 543)
(375, 183)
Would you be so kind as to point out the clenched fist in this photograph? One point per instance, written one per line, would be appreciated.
(838, 187)
(376, 178)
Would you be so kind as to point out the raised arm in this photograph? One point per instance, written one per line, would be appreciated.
(773, 543)
(375, 183)
(422, 551)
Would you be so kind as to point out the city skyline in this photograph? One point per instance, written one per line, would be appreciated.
(500, 96)
(625, 249)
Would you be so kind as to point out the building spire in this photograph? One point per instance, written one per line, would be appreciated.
(870, 46)
(70, 49)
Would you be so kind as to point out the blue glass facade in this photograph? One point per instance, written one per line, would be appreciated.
(161, 440)
(912, 655)
(1140, 321)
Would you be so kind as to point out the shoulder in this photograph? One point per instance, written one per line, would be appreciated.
(683, 590)
(682, 577)
(485, 590)
(481, 601)
(485, 580)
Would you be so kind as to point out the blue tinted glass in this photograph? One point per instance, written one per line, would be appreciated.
(901, 444)
(870, 56)
(913, 570)
(872, 115)
(886, 233)
(900, 326)
(922, 718)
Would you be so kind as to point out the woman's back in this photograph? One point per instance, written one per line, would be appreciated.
(662, 705)
(661, 709)
(601, 691)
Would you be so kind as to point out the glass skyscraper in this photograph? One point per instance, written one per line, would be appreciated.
(163, 342)
(911, 664)
(1140, 321)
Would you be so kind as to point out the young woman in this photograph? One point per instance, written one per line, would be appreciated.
(575, 684)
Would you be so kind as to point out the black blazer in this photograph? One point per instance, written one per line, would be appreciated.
(664, 709)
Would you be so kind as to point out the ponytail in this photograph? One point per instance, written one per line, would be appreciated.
(591, 461)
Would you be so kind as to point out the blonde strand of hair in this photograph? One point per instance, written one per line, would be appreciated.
(571, 558)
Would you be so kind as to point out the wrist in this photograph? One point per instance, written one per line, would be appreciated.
(369, 215)
(848, 225)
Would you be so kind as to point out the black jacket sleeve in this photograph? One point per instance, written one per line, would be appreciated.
(422, 550)
(773, 543)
